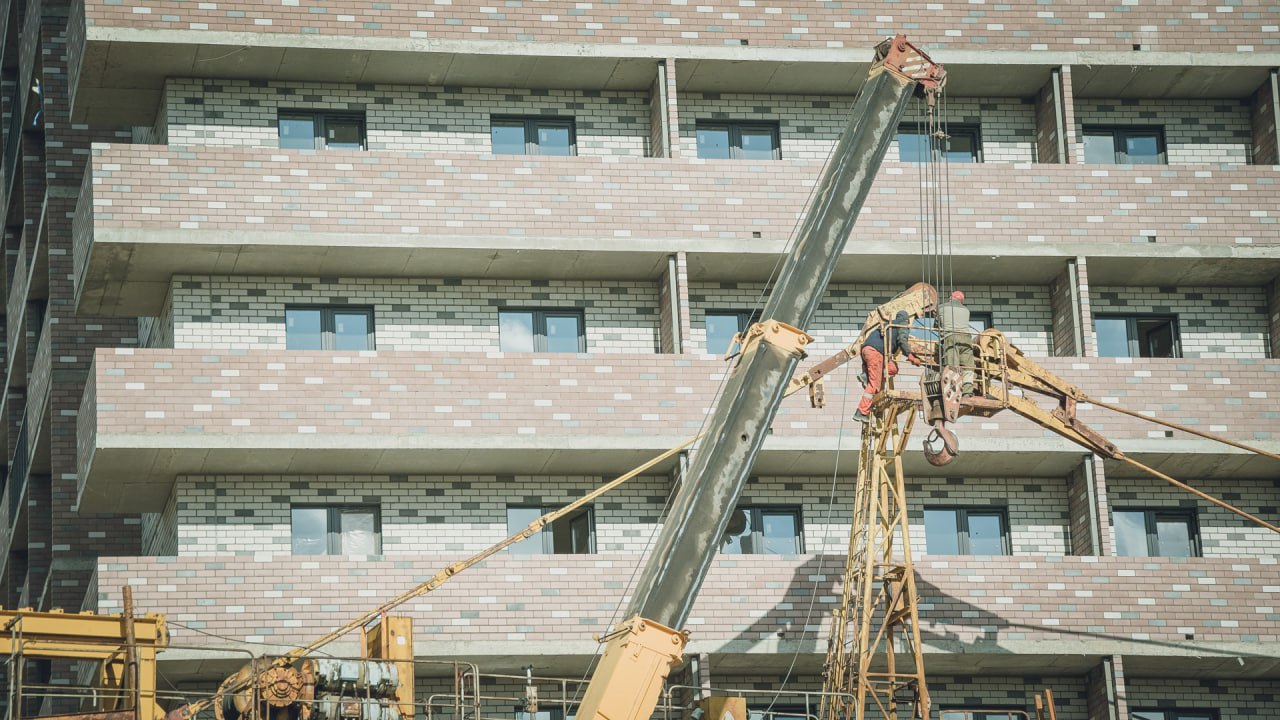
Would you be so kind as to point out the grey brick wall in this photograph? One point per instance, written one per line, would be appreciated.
(1213, 322)
(1222, 533)
(243, 113)
(1037, 509)
(1233, 699)
(1195, 131)
(409, 314)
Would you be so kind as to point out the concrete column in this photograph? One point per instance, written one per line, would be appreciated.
(1088, 339)
(1051, 138)
(1273, 316)
(673, 333)
(658, 130)
(672, 108)
(1105, 691)
(1064, 305)
(1073, 143)
(1264, 116)
(1096, 479)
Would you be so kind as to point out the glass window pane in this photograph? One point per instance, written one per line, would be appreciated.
(554, 140)
(941, 532)
(1148, 715)
(913, 147)
(713, 143)
(986, 534)
(1157, 338)
(1142, 149)
(758, 143)
(737, 537)
(309, 529)
(344, 133)
(962, 147)
(1131, 533)
(1099, 148)
(580, 532)
(351, 330)
(721, 327)
(515, 331)
(922, 328)
(781, 533)
(359, 532)
(302, 329)
(507, 137)
(563, 333)
(1173, 536)
(297, 133)
(1113, 336)
(979, 322)
(518, 518)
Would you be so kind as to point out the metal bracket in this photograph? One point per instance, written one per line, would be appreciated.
(778, 334)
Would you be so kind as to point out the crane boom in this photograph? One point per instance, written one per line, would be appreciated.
(642, 650)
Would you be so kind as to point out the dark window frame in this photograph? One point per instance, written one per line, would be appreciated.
(328, 323)
(1175, 713)
(540, 316)
(333, 524)
(1119, 133)
(320, 119)
(980, 712)
(780, 710)
(756, 522)
(971, 130)
(531, 123)
(735, 128)
(746, 318)
(547, 535)
(1134, 339)
(1151, 520)
(962, 526)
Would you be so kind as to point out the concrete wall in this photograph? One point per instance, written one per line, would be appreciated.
(247, 312)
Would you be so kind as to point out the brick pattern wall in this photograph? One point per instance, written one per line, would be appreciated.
(1086, 306)
(1195, 131)
(544, 598)
(1083, 537)
(1065, 312)
(383, 193)
(659, 143)
(1048, 115)
(1075, 151)
(1036, 508)
(1273, 317)
(1222, 533)
(673, 320)
(845, 23)
(160, 530)
(1233, 699)
(1023, 312)
(406, 118)
(808, 126)
(1213, 322)
(409, 314)
(672, 109)
(1263, 122)
(469, 393)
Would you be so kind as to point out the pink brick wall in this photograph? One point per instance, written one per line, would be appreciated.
(748, 598)
(622, 198)
(159, 391)
(1017, 25)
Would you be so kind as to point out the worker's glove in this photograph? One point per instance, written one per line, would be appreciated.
(913, 360)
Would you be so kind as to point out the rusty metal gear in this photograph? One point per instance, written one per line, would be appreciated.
(280, 686)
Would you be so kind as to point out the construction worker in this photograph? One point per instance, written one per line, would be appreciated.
(876, 360)
(957, 339)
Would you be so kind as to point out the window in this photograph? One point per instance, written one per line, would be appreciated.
(963, 144)
(336, 530)
(532, 136)
(1173, 714)
(1156, 533)
(763, 531)
(552, 714)
(541, 331)
(304, 130)
(328, 328)
(722, 325)
(570, 535)
(780, 711)
(966, 531)
(979, 321)
(922, 327)
(984, 715)
(1149, 336)
(1124, 145)
(738, 141)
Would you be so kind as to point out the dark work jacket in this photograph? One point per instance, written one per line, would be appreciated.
(898, 337)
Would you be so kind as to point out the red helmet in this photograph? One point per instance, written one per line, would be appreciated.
(958, 296)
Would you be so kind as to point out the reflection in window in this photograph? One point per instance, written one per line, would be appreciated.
(763, 531)
(328, 328)
(738, 141)
(336, 530)
(1124, 145)
(966, 531)
(962, 144)
(723, 325)
(1156, 533)
(1149, 336)
(573, 534)
(532, 136)
(558, 331)
(321, 130)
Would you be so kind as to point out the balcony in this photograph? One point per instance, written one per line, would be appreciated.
(148, 415)
(125, 49)
(1025, 614)
(149, 212)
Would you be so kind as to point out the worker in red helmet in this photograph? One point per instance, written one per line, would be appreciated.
(956, 337)
(877, 355)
